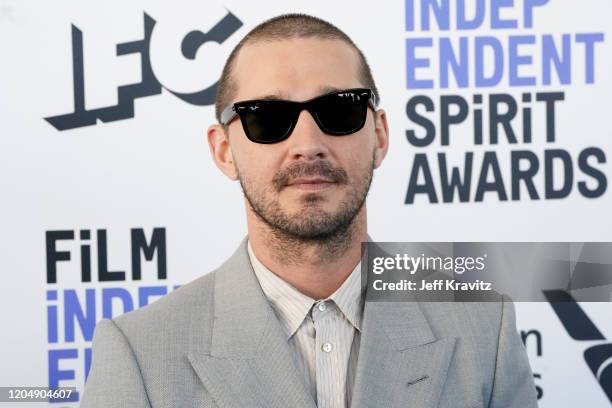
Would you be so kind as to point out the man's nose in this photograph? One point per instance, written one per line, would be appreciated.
(307, 141)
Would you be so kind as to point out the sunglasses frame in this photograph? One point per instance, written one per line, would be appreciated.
(239, 109)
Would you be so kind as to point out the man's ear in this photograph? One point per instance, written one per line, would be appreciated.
(221, 151)
(382, 137)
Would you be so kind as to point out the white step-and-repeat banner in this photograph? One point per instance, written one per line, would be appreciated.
(500, 131)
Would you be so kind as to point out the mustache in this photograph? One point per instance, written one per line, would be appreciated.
(321, 168)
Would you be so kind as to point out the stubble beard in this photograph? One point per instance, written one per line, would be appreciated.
(288, 235)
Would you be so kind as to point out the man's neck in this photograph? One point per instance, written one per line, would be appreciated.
(315, 268)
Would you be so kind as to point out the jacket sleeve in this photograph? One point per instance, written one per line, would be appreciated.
(513, 385)
(114, 379)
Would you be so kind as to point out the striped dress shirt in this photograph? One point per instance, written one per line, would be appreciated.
(323, 334)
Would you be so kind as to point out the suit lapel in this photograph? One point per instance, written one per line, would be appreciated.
(401, 363)
(247, 361)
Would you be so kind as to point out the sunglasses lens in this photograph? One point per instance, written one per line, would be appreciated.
(338, 114)
(268, 121)
(342, 113)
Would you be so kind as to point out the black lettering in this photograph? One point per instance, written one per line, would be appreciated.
(104, 275)
(504, 119)
(419, 164)
(549, 99)
(489, 162)
(192, 43)
(85, 257)
(463, 187)
(53, 255)
(568, 173)
(598, 175)
(414, 116)
(139, 244)
(477, 119)
(446, 119)
(526, 119)
(526, 175)
(538, 340)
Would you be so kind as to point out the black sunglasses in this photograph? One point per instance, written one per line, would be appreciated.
(337, 113)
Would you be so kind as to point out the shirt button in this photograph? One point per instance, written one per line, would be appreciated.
(322, 306)
(327, 347)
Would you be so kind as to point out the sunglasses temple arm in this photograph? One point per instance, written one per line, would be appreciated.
(228, 115)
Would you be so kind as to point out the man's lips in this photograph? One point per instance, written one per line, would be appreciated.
(311, 183)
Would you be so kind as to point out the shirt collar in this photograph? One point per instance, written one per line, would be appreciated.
(292, 306)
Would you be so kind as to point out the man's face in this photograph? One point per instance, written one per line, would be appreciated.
(311, 185)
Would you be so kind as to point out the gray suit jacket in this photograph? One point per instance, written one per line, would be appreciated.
(216, 342)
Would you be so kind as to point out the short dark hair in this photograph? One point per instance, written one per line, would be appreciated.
(280, 28)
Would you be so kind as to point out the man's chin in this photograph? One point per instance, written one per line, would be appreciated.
(311, 231)
(311, 208)
(327, 200)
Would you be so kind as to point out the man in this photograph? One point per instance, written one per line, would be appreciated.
(283, 322)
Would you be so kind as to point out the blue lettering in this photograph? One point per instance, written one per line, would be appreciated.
(412, 63)
(72, 310)
(56, 375)
(51, 317)
(528, 10)
(448, 59)
(108, 294)
(409, 14)
(440, 10)
(87, 362)
(515, 60)
(145, 293)
(563, 64)
(498, 61)
(462, 21)
(589, 41)
(496, 21)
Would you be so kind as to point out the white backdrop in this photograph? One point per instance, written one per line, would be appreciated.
(153, 169)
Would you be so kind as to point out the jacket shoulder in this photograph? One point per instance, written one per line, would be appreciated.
(169, 318)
